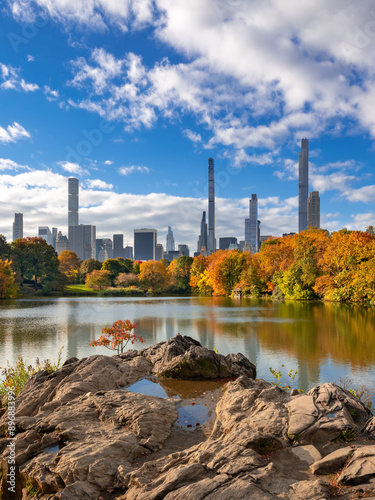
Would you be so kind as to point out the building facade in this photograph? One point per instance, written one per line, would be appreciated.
(118, 246)
(18, 227)
(84, 241)
(211, 243)
(202, 239)
(45, 233)
(224, 243)
(62, 243)
(313, 210)
(145, 241)
(170, 244)
(253, 223)
(73, 190)
(303, 184)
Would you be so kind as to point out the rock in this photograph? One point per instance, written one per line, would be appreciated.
(310, 490)
(307, 453)
(81, 436)
(361, 468)
(183, 357)
(332, 462)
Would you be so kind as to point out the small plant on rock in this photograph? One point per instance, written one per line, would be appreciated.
(278, 376)
(117, 337)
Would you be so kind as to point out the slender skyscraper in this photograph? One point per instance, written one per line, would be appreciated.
(253, 223)
(18, 227)
(303, 185)
(72, 208)
(202, 240)
(170, 240)
(211, 246)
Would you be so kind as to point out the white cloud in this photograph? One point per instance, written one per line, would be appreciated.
(108, 162)
(132, 169)
(30, 58)
(12, 80)
(72, 168)
(7, 164)
(365, 194)
(51, 94)
(12, 133)
(98, 184)
(193, 136)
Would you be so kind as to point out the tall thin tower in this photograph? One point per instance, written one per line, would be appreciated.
(303, 185)
(18, 227)
(211, 247)
(72, 207)
(253, 222)
(170, 245)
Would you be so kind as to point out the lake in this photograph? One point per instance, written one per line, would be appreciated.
(323, 341)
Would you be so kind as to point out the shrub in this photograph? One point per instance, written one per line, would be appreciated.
(117, 337)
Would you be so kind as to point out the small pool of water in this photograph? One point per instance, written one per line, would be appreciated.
(149, 388)
(174, 388)
(192, 416)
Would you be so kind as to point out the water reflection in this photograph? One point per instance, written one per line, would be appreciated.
(324, 341)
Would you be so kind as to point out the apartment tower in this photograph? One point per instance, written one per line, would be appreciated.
(303, 185)
(211, 244)
(313, 209)
(18, 227)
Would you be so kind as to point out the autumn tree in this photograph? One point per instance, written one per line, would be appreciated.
(88, 266)
(127, 279)
(197, 269)
(98, 279)
(153, 275)
(179, 271)
(225, 271)
(8, 287)
(117, 337)
(4, 248)
(69, 264)
(117, 266)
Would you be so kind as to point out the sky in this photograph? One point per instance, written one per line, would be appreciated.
(133, 96)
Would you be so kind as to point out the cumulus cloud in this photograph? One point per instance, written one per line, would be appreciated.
(108, 162)
(7, 164)
(132, 169)
(13, 133)
(72, 168)
(12, 80)
(50, 94)
(98, 184)
(193, 136)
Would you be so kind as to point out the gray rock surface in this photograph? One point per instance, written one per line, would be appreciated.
(81, 436)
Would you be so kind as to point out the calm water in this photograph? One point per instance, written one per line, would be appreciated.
(323, 341)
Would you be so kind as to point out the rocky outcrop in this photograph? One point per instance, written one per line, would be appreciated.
(80, 435)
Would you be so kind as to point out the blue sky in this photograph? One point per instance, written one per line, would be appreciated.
(133, 97)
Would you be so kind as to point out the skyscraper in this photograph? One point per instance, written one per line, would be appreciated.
(313, 209)
(303, 185)
(202, 240)
(83, 238)
(211, 244)
(73, 188)
(253, 223)
(45, 233)
(118, 245)
(170, 240)
(18, 226)
(145, 244)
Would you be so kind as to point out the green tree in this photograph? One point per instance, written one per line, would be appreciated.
(4, 248)
(35, 259)
(88, 266)
(180, 272)
(117, 266)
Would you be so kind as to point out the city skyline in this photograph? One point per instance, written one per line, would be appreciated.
(133, 102)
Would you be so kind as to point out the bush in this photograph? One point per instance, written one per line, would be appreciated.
(97, 280)
(127, 279)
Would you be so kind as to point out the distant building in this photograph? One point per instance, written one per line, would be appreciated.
(73, 189)
(313, 210)
(252, 225)
(224, 243)
(175, 254)
(84, 241)
(45, 233)
(303, 184)
(118, 245)
(264, 238)
(211, 243)
(128, 252)
(145, 241)
(62, 243)
(288, 234)
(18, 227)
(202, 239)
(184, 250)
(103, 249)
(54, 237)
(159, 252)
(170, 244)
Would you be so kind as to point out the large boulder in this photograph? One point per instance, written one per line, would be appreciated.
(183, 357)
